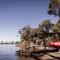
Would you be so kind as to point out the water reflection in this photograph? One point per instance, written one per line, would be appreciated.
(8, 52)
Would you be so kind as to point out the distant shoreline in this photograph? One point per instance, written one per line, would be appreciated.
(9, 43)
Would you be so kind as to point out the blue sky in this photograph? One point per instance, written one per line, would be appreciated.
(15, 14)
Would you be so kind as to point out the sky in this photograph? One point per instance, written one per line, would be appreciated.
(15, 14)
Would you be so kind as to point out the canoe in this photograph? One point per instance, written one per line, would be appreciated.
(54, 44)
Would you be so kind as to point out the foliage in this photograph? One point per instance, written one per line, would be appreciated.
(54, 7)
(32, 34)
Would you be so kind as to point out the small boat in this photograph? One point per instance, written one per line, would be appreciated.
(54, 44)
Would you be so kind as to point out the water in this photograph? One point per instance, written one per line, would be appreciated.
(8, 52)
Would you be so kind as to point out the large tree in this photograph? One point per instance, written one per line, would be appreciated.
(54, 8)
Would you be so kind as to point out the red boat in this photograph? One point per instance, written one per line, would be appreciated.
(54, 44)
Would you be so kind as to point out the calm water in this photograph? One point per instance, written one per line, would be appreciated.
(8, 52)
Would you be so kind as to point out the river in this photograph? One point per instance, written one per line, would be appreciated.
(8, 52)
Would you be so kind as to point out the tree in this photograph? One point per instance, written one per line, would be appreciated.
(55, 28)
(46, 25)
(27, 33)
(54, 8)
(33, 34)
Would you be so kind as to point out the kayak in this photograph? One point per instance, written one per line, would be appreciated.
(54, 44)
